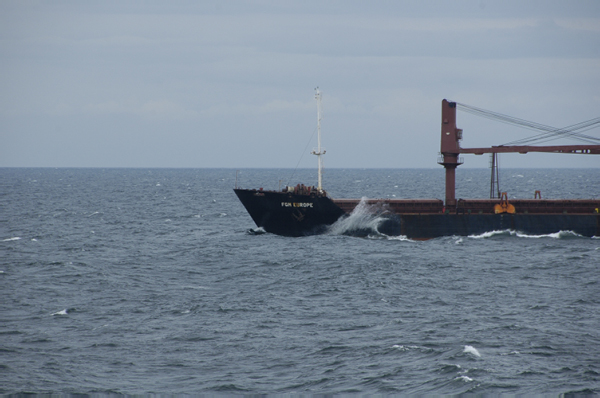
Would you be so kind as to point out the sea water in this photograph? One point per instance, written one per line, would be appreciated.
(139, 281)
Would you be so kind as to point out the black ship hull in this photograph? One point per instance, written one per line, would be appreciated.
(290, 214)
(427, 226)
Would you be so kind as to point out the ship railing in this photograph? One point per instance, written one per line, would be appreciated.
(459, 160)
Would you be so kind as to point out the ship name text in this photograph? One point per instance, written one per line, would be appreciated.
(296, 204)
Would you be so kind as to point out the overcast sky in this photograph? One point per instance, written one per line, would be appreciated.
(231, 83)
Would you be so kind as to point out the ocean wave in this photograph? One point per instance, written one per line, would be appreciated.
(362, 221)
(557, 235)
(405, 347)
(471, 350)
(490, 234)
(509, 232)
(402, 238)
(366, 220)
(11, 239)
(464, 378)
(256, 231)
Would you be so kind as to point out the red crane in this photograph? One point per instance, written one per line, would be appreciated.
(450, 149)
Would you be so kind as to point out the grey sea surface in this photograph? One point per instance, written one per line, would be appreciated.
(140, 281)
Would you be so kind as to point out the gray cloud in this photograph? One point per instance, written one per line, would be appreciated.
(230, 84)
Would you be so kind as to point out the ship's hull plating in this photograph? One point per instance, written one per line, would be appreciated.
(290, 214)
(427, 226)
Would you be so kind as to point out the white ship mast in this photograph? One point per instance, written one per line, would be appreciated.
(319, 151)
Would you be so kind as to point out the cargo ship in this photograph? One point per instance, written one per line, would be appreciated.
(307, 210)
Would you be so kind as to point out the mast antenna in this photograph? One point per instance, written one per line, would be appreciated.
(319, 151)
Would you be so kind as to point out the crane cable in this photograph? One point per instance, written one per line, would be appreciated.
(549, 133)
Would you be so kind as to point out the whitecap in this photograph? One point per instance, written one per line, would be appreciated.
(472, 350)
(466, 379)
(511, 353)
(256, 231)
(63, 312)
(508, 232)
(556, 235)
(490, 234)
(402, 238)
(11, 239)
(405, 347)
